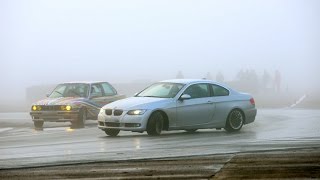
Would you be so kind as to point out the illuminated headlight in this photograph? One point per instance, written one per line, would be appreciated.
(36, 108)
(66, 108)
(136, 112)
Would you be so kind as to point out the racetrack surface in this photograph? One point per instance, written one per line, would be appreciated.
(284, 130)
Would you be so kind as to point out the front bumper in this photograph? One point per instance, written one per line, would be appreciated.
(136, 123)
(55, 116)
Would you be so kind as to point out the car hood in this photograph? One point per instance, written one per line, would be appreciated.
(138, 103)
(60, 101)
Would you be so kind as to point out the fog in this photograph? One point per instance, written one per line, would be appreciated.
(53, 41)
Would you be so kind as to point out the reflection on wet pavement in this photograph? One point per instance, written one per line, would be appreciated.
(273, 129)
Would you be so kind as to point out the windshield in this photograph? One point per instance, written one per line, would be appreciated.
(70, 90)
(161, 90)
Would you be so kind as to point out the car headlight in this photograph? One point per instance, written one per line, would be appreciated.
(36, 108)
(66, 108)
(136, 112)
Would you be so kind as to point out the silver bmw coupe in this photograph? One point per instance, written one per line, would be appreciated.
(179, 104)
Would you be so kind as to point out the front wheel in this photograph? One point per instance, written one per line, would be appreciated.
(155, 124)
(235, 121)
(38, 124)
(79, 123)
(112, 132)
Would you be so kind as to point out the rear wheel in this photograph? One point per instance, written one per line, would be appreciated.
(235, 121)
(112, 132)
(155, 124)
(79, 123)
(38, 124)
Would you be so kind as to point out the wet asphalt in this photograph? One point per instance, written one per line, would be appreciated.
(21, 146)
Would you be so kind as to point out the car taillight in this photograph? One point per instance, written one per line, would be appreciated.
(252, 101)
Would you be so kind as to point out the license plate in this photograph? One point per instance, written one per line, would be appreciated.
(112, 119)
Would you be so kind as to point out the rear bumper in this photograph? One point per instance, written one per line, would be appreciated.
(250, 115)
(54, 116)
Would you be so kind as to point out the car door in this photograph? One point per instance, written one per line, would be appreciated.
(96, 94)
(102, 93)
(222, 102)
(197, 110)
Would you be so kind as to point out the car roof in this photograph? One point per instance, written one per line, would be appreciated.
(191, 81)
(83, 82)
(188, 81)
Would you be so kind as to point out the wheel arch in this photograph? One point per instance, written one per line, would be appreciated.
(165, 117)
(242, 112)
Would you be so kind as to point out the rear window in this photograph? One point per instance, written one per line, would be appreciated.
(219, 91)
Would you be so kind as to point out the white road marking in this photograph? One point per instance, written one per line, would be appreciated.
(299, 101)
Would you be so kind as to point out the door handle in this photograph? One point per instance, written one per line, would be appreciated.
(209, 102)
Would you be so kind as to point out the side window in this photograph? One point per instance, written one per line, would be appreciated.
(96, 90)
(219, 91)
(198, 91)
(81, 90)
(108, 89)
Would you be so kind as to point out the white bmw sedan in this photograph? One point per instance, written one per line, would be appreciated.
(179, 104)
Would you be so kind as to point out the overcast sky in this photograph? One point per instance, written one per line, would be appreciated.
(52, 41)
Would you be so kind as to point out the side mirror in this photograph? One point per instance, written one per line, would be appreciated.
(184, 97)
(48, 94)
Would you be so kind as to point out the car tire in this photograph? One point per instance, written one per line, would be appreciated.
(38, 124)
(155, 124)
(191, 130)
(235, 121)
(112, 132)
(79, 123)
